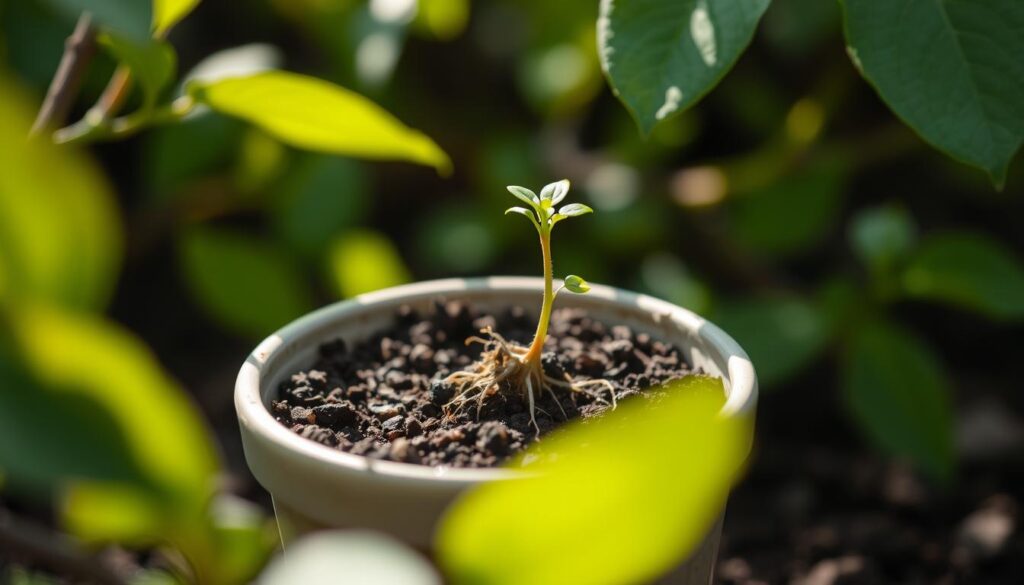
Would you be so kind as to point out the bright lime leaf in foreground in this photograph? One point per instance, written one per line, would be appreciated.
(359, 556)
(898, 392)
(313, 114)
(782, 335)
(167, 13)
(661, 56)
(364, 261)
(643, 484)
(153, 62)
(246, 284)
(968, 270)
(952, 69)
(59, 231)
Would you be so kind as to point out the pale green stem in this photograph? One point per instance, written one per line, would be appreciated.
(533, 355)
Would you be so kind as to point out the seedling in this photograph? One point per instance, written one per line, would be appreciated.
(506, 366)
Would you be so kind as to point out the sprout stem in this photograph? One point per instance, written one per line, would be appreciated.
(537, 347)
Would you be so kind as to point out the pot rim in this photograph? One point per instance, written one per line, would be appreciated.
(254, 415)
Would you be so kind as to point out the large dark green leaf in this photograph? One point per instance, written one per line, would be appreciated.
(968, 270)
(661, 56)
(898, 393)
(952, 69)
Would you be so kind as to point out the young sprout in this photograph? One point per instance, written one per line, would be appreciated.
(507, 366)
(543, 216)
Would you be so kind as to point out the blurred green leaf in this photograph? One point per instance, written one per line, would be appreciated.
(442, 19)
(177, 154)
(790, 215)
(662, 56)
(363, 261)
(882, 237)
(782, 335)
(152, 62)
(953, 71)
(358, 556)
(667, 277)
(104, 512)
(246, 284)
(898, 393)
(131, 18)
(311, 113)
(167, 13)
(319, 198)
(522, 531)
(87, 357)
(238, 61)
(460, 238)
(969, 270)
(60, 238)
(244, 538)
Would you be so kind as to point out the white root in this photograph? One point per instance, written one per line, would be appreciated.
(505, 365)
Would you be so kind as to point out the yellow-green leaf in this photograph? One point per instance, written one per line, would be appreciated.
(167, 13)
(60, 238)
(364, 261)
(317, 115)
(644, 483)
(86, 356)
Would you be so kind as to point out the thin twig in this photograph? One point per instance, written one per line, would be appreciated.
(115, 94)
(78, 51)
(20, 540)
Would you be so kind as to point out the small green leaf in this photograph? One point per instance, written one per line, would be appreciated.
(574, 209)
(310, 113)
(359, 556)
(525, 212)
(576, 284)
(152, 62)
(882, 237)
(969, 270)
(60, 236)
(679, 454)
(555, 192)
(525, 195)
(899, 394)
(952, 70)
(662, 56)
(246, 284)
(167, 13)
(363, 261)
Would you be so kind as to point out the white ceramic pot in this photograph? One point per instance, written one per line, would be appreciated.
(314, 486)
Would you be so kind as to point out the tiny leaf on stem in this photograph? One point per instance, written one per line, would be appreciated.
(576, 284)
(574, 209)
(525, 195)
(523, 211)
(555, 192)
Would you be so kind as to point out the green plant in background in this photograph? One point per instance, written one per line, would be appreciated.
(661, 56)
(509, 366)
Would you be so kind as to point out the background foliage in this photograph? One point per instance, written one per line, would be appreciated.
(804, 205)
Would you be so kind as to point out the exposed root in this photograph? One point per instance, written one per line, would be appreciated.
(504, 367)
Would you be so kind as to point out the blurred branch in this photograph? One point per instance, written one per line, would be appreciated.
(34, 543)
(78, 51)
(115, 94)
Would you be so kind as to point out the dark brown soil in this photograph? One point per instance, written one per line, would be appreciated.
(383, 397)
